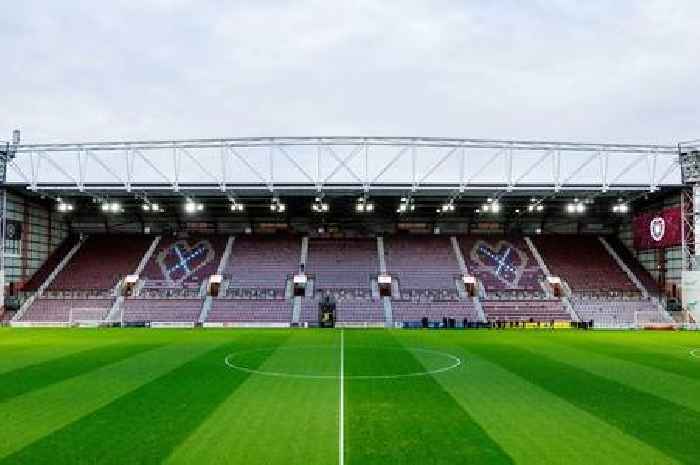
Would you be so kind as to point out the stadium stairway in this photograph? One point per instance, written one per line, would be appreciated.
(624, 267)
(388, 313)
(61, 265)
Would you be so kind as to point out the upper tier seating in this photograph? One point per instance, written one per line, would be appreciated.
(50, 264)
(584, 264)
(102, 261)
(250, 311)
(414, 311)
(501, 263)
(635, 267)
(421, 262)
(342, 263)
(61, 310)
(262, 262)
(254, 293)
(524, 310)
(184, 262)
(161, 310)
(428, 295)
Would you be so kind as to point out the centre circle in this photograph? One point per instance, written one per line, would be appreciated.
(321, 362)
(695, 353)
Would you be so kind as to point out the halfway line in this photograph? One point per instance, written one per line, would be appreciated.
(341, 429)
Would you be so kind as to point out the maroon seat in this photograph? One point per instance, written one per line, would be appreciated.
(101, 261)
(50, 264)
(524, 310)
(63, 310)
(250, 311)
(184, 261)
(161, 310)
(415, 311)
(421, 262)
(259, 262)
(501, 263)
(584, 264)
(342, 263)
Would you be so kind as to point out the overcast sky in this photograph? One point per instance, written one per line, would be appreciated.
(597, 71)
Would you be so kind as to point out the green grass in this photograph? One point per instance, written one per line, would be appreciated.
(518, 397)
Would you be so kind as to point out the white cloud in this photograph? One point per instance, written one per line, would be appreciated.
(595, 71)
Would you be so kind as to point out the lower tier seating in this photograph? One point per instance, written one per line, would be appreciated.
(368, 311)
(347, 311)
(414, 311)
(161, 310)
(524, 310)
(250, 311)
(64, 310)
(612, 313)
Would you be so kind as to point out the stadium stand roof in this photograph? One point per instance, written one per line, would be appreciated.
(382, 165)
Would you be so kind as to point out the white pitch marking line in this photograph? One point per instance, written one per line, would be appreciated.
(229, 361)
(341, 429)
(695, 353)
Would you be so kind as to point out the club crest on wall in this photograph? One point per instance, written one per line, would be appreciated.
(657, 228)
(181, 260)
(503, 260)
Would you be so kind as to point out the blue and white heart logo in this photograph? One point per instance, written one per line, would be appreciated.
(181, 261)
(503, 260)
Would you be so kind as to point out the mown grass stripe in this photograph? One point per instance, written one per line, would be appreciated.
(676, 388)
(18, 356)
(405, 420)
(637, 413)
(40, 375)
(145, 425)
(274, 420)
(28, 417)
(533, 425)
(676, 364)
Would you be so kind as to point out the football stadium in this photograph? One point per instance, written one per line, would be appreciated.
(294, 300)
(349, 233)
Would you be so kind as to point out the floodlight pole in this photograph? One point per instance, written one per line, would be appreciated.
(689, 161)
(7, 153)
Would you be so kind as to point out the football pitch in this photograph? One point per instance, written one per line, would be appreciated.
(137, 396)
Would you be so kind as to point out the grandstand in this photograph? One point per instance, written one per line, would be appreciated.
(235, 254)
(506, 276)
(257, 280)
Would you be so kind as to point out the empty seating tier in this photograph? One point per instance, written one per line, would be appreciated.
(584, 264)
(618, 312)
(404, 311)
(64, 310)
(139, 310)
(421, 262)
(262, 263)
(348, 311)
(501, 263)
(102, 261)
(635, 267)
(369, 311)
(50, 264)
(250, 311)
(184, 262)
(342, 263)
(525, 310)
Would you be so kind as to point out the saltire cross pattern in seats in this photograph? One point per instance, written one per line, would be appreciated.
(501, 262)
(182, 261)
